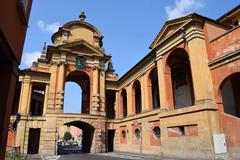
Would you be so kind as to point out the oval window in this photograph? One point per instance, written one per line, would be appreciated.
(137, 134)
(123, 134)
(156, 132)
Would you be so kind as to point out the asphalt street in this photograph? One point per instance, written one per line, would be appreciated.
(74, 153)
(88, 157)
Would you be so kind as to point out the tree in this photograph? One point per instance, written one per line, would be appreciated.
(67, 136)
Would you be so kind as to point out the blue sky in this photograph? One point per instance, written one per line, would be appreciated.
(128, 26)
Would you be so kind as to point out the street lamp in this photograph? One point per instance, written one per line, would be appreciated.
(136, 123)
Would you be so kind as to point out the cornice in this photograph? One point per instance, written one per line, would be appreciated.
(224, 59)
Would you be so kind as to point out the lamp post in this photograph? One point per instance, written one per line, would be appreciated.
(136, 123)
(141, 140)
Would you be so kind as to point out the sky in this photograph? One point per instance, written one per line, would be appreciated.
(128, 26)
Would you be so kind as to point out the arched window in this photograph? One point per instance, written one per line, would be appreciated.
(137, 97)
(153, 89)
(124, 102)
(182, 86)
(230, 91)
(82, 93)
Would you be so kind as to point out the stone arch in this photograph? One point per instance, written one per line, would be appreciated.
(123, 102)
(153, 89)
(88, 131)
(229, 91)
(137, 97)
(178, 65)
(83, 80)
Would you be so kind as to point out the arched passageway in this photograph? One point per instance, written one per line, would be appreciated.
(181, 76)
(123, 100)
(86, 136)
(72, 98)
(230, 92)
(110, 102)
(137, 97)
(82, 96)
(153, 88)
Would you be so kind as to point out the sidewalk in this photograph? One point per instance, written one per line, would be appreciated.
(136, 156)
(41, 157)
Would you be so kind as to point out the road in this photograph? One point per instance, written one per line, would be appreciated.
(74, 153)
(88, 157)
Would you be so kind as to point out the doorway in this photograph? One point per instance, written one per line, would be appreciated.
(33, 140)
(111, 134)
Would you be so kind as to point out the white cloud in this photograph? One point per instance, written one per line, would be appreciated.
(182, 8)
(50, 28)
(30, 57)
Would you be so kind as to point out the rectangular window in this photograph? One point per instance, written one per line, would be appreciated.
(188, 130)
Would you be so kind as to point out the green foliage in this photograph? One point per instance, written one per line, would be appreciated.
(67, 136)
(10, 154)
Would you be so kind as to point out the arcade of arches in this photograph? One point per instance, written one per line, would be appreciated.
(172, 102)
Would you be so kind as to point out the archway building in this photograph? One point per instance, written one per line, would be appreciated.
(177, 101)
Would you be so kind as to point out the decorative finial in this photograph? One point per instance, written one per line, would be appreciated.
(44, 46)
(82, 16)
(110, 68)
(44, 53)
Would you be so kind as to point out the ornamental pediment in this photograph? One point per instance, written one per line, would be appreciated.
(82, 47)
(169, 28)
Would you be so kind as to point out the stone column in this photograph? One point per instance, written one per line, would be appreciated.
(201, 76)
(102, 91)
(60, 87)
(145, 93)
(116, 104)
(49, 136)
(130, 106)
(45, 99)
(100, 138)
(52, 88)
(95, 94)
(162, 84)
(20, 134)
(26, 94)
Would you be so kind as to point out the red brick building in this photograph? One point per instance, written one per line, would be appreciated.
(14, 15)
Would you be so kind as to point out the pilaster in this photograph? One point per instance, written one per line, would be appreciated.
(161, 83)
(95, 94)
(130, 107)
(201, 75)
(25, 95)
(50, 136)
(102, 91)
(116, 104)
(145, 93)
(20, 135)
(46, 99)
(52, 88)
(60, 87)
